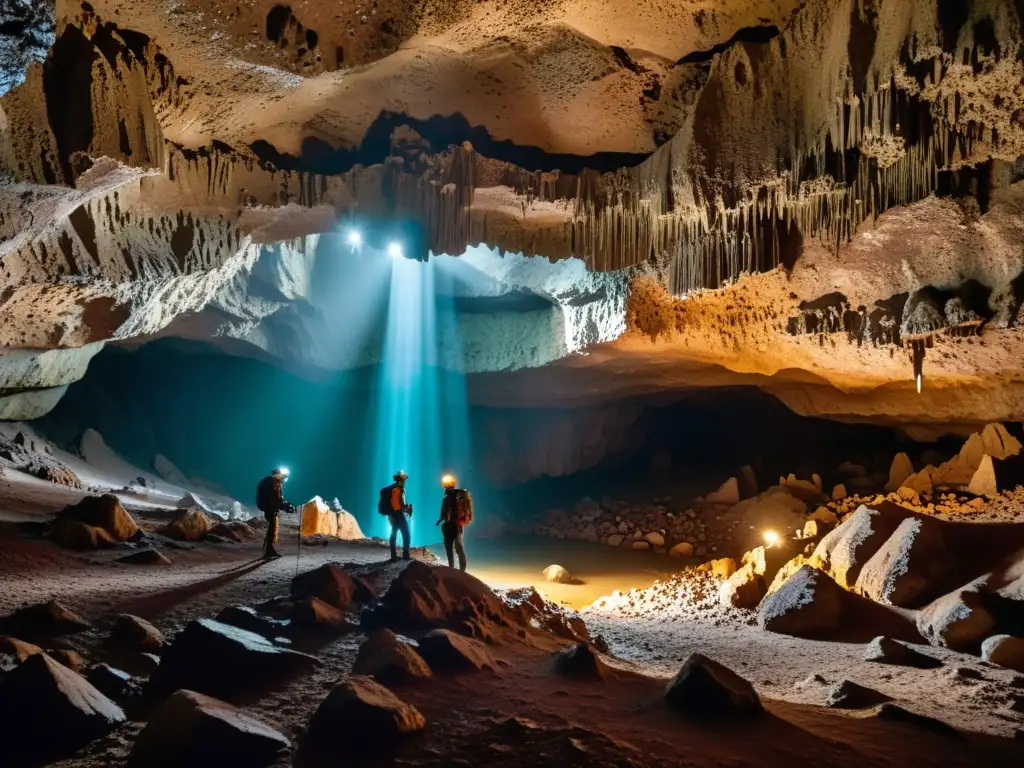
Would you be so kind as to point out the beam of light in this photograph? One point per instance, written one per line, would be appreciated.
(420, 411)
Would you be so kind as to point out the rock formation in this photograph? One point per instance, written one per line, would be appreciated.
(818, 198)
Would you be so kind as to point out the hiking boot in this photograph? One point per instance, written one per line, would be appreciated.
(273, 554)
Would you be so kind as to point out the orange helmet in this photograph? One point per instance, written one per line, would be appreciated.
(448, 481)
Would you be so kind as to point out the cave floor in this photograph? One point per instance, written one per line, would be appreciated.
(619, 722)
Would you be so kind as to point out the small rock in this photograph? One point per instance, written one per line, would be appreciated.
(445, 650)
(219, 659)
(558, 575)
(191, 729)
(315, 614)
(1004, 650)
(824, 515)
(838, 492)
(132, 633)
(333, 585)
(655, 539)
(683, 549)
(583, 662)
(614, 540)
(849, 695)
(722, 568)
(965, 673)
(189, 525)
(44, 620)
(641, 545)
(145, 557)
(959, 621)
(885, 650)
(705, 688)
(389, 660)
(361, 713)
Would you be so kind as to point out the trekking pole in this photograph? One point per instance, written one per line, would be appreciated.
(298, 547)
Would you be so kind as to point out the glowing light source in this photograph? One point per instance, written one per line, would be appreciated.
(919, 383)
(355, 238)
(772, 539)
(448, 481)
(284, 472)
(395, 250)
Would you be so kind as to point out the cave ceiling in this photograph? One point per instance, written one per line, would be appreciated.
(821, 198)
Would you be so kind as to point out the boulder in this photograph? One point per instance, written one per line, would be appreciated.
(722, 568)
(348, 527)
(14, 651)
(807, 604)
(911, 567)
(727, 495)
(188, 525)
(236, 532)
(57, 474)
(900, 469)
(824, 515)
(361, 714)
(919, 482)
(743, 589)
(885, 650)
(115, 684)
(426, 597)
(849, 695)
(44, 620)
(318, 518)
(191, 730)
(445, 650)
(704, 688)
(386, 658)
(582, 661)
(682, 549)
(614, 540)
(135, 634)
(1004, 650)
(558, 575)
(145, 557)
(838, 492)
(655, 539)
(333, 585)
(219, 659)
(642, 546)
(244, 617)
(959, 621)
(776, 508)
(104, 512)
(74, 534)
(50, 711)
(314, 614)
(845, 550)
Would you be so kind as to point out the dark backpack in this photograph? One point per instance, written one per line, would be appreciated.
(384, 504)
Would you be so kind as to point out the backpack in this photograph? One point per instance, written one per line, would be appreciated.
(463, 507)
(384, 504)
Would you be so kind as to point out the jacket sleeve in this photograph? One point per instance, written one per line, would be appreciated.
(279, 501)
